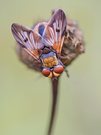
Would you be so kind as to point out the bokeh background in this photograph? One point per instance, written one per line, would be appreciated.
(25, 96)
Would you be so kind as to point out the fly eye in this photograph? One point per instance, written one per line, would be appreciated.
(47, 73)
(58, 69)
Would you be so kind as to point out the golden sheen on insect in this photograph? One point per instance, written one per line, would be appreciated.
(49, 46)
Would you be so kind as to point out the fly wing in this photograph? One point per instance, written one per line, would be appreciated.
(58, 22)
(27, 39)
(56, 28)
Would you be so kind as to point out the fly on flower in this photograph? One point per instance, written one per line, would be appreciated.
(49, 46)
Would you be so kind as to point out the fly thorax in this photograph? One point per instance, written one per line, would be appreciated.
(49, 60)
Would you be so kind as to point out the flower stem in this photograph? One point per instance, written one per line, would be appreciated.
(55, 83)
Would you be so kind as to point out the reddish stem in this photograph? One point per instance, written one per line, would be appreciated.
(55, 83)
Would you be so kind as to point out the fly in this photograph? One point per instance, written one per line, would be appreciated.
(49, 47)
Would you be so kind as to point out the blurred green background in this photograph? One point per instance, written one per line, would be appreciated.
(25, 96)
